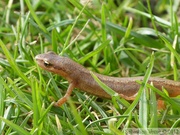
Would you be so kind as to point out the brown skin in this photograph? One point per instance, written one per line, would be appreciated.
(80, 77)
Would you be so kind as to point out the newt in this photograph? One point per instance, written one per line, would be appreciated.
(81, 78)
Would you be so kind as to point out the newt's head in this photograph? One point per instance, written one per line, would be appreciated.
(53, 63)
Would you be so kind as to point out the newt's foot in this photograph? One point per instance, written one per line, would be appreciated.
(60, 102)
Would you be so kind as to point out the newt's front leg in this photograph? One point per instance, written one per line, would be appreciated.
(66, 96)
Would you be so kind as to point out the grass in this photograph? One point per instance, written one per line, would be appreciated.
(128, 38)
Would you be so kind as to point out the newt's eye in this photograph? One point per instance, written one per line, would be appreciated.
(47, 64)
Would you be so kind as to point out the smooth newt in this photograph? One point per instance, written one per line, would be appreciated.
(80, 77)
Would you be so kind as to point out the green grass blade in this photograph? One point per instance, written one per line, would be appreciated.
(135, 102)
(70, 32)
(170, 47)
(164, 96)
(108, 90)
(94, 52)
(145, 40)
(2, 103)
(143, 109)
(21, 95)
(103, 23)
(158, 19)
(36, 18)
(78, 119)
(17, 128)
(13, 63)
(153, 110)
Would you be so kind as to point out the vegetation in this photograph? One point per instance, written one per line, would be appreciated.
(116, 38)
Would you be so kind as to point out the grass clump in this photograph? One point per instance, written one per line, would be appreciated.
(126, 38)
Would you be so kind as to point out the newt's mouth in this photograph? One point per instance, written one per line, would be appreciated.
(39, 61)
